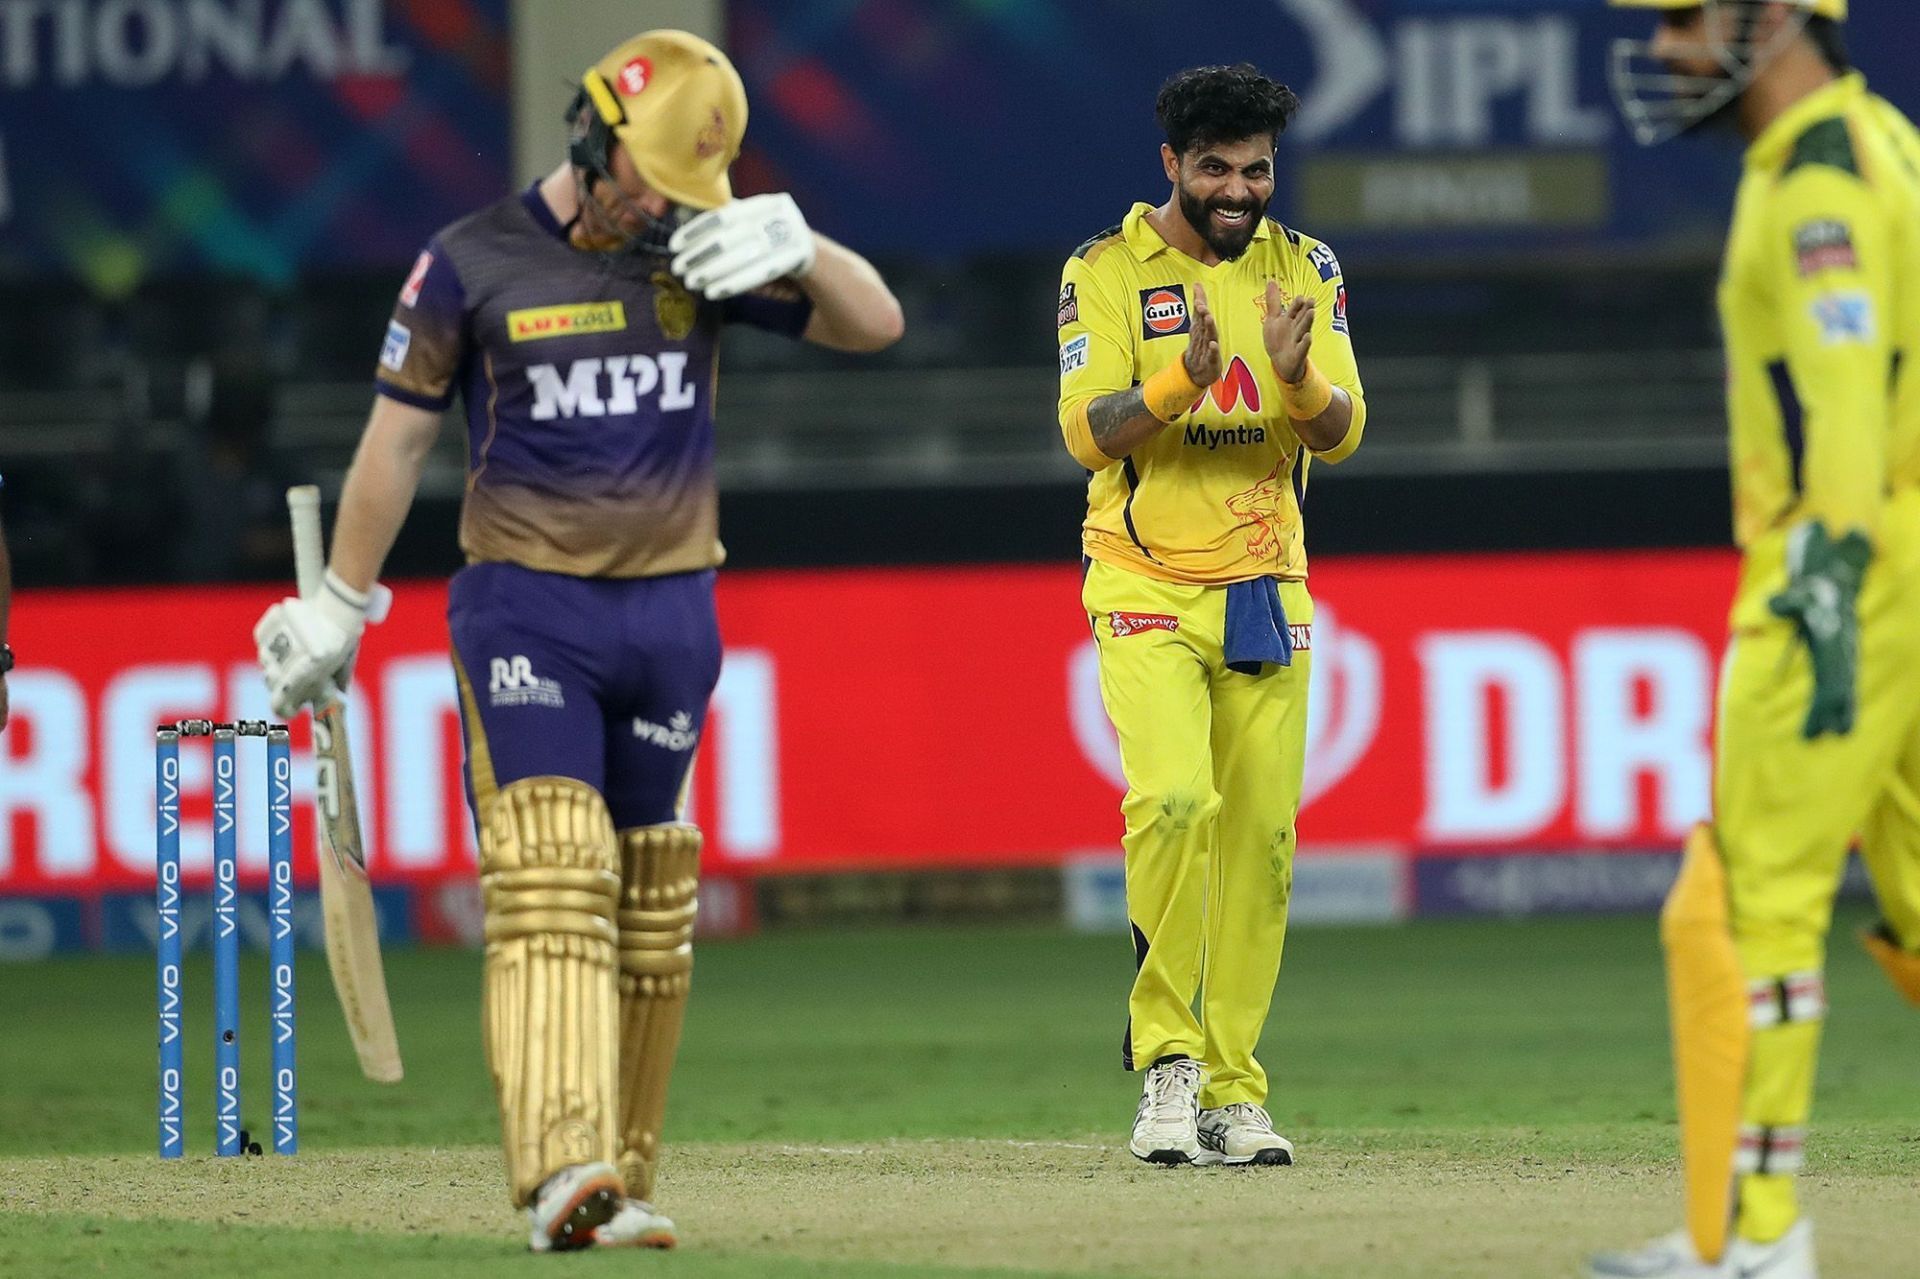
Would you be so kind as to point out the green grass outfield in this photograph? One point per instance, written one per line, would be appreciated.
(1468, 1099)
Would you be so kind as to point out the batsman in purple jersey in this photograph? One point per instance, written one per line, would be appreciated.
(577, 323)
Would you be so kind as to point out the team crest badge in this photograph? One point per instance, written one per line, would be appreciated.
(673, 307)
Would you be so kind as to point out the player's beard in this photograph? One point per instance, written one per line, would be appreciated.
(1228, 245)
(597, 227)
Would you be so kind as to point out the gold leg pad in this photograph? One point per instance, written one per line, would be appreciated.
(659, 884)
(549, 881)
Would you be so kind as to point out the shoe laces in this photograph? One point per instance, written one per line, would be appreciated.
(1171, 1089)
(1247, 1112)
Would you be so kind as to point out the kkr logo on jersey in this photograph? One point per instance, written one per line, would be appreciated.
(534, 323)
(1163, 311)
(611, 386)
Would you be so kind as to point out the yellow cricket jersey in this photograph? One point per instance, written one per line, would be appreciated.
(1819, 296)
(1215, 497)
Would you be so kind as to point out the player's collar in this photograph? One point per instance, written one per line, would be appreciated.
(542, 215)
(1769, 150)
(1146, 242)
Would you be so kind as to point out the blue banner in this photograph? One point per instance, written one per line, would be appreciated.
(34, 928)
(249, 137)
(933, 128)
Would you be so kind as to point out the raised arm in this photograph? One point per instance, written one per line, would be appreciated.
(853, 309)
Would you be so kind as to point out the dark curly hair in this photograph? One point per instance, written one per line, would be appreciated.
(1205, 106)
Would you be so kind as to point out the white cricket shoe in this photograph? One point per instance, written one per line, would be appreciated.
(572, 1206)
(636, 1225)
(1164, 1128)
(1241, 1134)
(1673, 1257)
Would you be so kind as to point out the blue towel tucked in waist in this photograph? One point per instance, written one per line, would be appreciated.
(1257, 630)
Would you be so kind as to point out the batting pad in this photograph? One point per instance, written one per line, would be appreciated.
(660, 878)
(1707, 1002)
(548, 879)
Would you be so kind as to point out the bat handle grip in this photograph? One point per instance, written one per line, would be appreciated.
(309, 552)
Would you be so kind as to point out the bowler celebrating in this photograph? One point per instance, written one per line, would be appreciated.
(578, 321)
(1204, 360)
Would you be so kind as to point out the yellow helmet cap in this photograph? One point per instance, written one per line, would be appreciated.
(1835, 9)
(677, 105)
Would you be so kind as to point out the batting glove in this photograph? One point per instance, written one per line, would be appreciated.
(306, 647)
(742, 245)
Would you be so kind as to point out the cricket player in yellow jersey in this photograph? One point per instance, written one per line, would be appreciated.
(1818, 738)
(1204, 360)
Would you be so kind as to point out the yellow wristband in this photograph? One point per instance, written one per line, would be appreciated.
(1170, 392)
(1308, 398)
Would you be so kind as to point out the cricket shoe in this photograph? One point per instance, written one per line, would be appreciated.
(1241, 1134)
(1673, 1257)
(571, 1207)
(1165, 1128)
(636, 1225)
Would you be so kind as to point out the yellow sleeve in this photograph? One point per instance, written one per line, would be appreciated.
(1333, 354)
(1829, 258)
(1096, 354)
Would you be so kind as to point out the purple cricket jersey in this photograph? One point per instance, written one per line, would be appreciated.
(583, 627)
(588, 383)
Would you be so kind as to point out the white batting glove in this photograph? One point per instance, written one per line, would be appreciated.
(743, 245)
(307, 646)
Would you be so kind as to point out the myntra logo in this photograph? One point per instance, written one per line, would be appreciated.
(1235, 388)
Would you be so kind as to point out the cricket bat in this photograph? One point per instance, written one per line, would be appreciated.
(346, 895)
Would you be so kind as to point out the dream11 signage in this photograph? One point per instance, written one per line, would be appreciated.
(877, 719)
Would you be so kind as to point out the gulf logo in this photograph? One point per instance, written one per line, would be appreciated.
(1163, 311)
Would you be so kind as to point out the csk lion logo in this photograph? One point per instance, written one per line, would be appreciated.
(1264, 513)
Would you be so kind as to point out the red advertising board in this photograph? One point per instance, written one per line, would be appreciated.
(931, 717)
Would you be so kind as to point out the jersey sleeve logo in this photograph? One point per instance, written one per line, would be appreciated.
(1844, 318)
(1163, 311)
(410, 291)
(1069, 312)
(1324, 261)
(1073, 355)
(1340, 309)
(1824, 244)
(393, 352)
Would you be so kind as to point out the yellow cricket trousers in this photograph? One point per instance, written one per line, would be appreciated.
(1213, 763)
(1785, 812)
